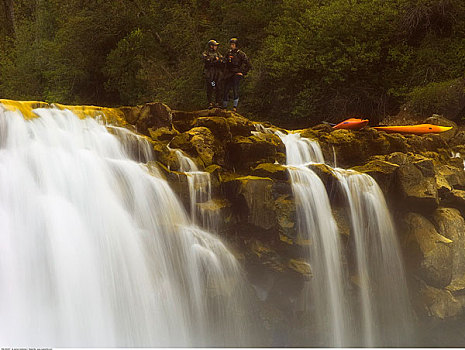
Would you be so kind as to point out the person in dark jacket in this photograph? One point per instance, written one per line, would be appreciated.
(213, 71)
(237, 66)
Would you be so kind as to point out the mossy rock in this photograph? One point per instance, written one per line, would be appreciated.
(183, 121)
(163, 134)
(154, 115)
(131, 114)
(312, 133)
(325, 173)
(200, 143)
(271, 170)
(217, 125)
(240, 126)
(244, 153)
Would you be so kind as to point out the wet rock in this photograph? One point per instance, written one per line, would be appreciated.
(341, 216)
(456, 199)
(453, 175)
(300, 266)
(252, 199)
(429, 252)
(416, 189)
(267, 255)
(220, 210)
(450, 224)
(439, 303)
(166, 156)
(177, 181)
(285, 209)
(326, 174)
(458, 139)
(382, 171)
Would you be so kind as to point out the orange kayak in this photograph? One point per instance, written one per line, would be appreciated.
(419, 129)
(352, 124)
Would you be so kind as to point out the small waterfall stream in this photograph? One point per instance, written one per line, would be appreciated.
(200, 193)
(382, 315)
(386, 318)
(327, 292)
(97, 252)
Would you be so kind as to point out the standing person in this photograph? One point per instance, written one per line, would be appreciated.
(237, 66)
(213, 71)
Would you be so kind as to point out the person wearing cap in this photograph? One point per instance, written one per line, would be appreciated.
(237, 66)
(213, 71)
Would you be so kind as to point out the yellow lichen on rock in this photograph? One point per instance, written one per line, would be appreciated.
(24, 107)
(112, 116)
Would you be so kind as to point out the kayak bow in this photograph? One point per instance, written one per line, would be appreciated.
(352, 124)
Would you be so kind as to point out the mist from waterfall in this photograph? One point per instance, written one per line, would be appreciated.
(380, 314)
(96, 251)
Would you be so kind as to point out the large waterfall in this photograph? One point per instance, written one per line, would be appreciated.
(95, 250)
(379, 314)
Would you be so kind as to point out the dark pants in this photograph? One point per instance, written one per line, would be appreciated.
(213, 81)
(232, 83)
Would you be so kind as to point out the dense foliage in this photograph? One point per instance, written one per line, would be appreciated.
(312, 59)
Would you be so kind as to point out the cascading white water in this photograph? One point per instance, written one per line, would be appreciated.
(383, 305)
(200, 192)
(326, 294)
(97, 252)
(385, 310)
(136, 146)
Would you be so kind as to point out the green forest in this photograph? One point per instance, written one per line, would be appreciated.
(312, 60)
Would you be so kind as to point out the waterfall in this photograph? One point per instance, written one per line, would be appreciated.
(380, 315)
(95, 251)
(326, 293)
(200, 193)
(384, 304)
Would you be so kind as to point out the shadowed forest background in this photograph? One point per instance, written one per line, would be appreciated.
(312, 60)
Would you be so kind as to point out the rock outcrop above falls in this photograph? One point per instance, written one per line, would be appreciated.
(423, 179)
